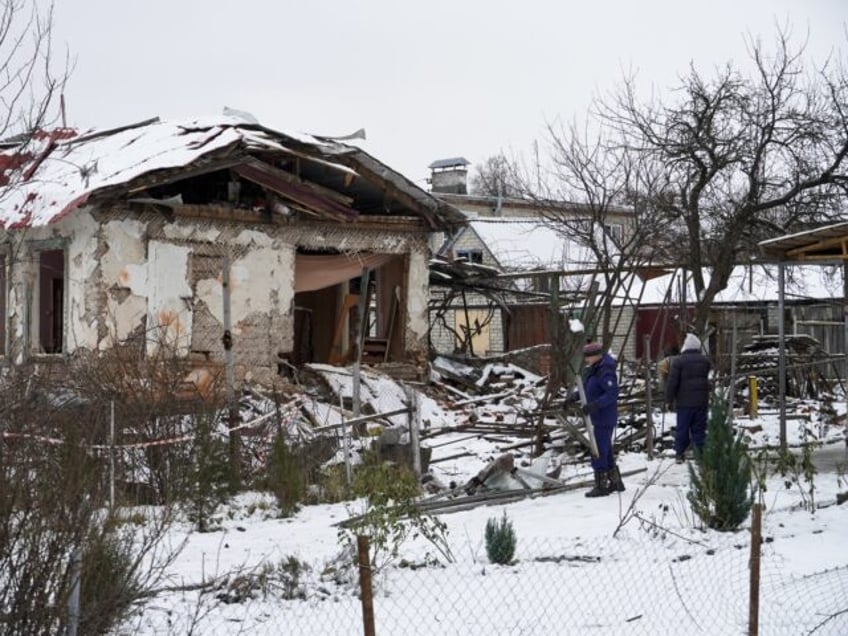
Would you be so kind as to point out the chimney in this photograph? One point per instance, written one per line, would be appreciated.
(449, 175)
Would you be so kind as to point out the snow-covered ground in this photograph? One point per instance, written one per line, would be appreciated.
(633, 563)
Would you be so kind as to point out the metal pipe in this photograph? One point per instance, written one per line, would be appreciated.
(360, 336)
(646, 356)
(781, 349)
(414, 428)
(227, 340)
(112, 456)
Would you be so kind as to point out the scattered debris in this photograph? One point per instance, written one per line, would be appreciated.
(493, 412)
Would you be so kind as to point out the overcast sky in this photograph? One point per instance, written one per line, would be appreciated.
(427, 80)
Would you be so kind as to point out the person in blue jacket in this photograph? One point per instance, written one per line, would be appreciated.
(601, 387)
(688, 386)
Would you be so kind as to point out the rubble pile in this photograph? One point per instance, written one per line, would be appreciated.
(485, 431)
(808, 366)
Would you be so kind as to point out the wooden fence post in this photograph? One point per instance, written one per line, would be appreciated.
(366, 593)
(754, 588)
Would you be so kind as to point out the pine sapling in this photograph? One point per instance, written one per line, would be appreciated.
(721, 493)
(500, 540)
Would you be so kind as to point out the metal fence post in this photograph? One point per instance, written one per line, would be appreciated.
(366, 593)
(74, 597)
(649, 407)
(112, 456)
(229, 368)
(414, 428)
(346, 444)
(754, 587)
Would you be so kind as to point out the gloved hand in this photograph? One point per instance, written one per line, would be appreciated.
(574, 398)
(589, 408)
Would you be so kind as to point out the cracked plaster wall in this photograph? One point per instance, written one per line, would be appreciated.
(129, 275)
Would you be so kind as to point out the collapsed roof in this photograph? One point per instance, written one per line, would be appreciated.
(50, 174)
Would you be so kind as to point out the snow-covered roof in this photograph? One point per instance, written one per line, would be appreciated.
(56, 172)
(453, 162)
(747, 284)
(530, 244)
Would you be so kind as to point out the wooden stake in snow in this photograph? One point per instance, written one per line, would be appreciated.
(366, 592)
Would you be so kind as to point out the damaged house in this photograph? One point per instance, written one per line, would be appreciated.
(490, 289)
(221, 238)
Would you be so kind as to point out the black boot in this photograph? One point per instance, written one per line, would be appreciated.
(616, 485)
(602, 486)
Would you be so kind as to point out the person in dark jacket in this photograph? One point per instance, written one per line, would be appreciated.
(688, 386)
(601, 387)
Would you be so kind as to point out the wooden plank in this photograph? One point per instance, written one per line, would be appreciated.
(268, 176)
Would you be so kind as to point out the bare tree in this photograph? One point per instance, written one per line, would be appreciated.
(722, 164)
(29, 80)
(742, 157)
(496, 177)
(611, 214)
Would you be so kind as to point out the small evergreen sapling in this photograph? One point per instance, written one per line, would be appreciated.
(285, 476)
(500, 540)
(721, 493)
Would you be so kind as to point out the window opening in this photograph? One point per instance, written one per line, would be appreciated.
(470, 256)
(51, 300)
(615, 232)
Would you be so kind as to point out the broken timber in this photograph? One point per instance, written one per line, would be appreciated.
(439, 504)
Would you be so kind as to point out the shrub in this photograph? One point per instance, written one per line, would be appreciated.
(208, 472)
(56, 523)
(332, 484)
(500, 540)
(799, 470)
(721, 493)
(291, 571)
(391, 514)
(285, 477)
(109, 582)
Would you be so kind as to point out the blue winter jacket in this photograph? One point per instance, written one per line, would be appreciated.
(601, 386)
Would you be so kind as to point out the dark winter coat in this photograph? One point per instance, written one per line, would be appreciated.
(688, 384)
(601, 385)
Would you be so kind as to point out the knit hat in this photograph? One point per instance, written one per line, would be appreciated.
(593, 349)
(691, 343)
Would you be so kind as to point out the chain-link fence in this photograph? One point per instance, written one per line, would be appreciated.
(642, 581)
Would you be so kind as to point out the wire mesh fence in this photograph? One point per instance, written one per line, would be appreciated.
(611, 587)
(638, 582)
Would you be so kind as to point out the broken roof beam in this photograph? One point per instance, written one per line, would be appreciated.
(170, 175)
(317, 188)
(268, 176)
(381, 177)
